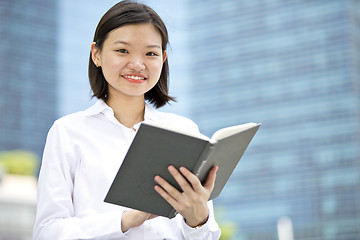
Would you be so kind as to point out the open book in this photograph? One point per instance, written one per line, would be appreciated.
(155, 147)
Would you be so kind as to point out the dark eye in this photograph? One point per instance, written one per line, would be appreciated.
(122, 51)
(151, 54)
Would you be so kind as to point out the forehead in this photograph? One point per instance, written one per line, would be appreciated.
(145, 33)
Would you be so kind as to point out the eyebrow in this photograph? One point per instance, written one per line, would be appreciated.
(126, 43)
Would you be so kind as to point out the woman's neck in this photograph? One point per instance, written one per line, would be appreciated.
(129, 111)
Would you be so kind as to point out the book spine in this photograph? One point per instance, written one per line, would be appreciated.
(202, 161)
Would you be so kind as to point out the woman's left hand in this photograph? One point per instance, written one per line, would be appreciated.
(192, 202)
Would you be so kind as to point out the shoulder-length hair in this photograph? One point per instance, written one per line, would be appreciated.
(125, 13)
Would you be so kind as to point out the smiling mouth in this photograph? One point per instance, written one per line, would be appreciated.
(134, 78)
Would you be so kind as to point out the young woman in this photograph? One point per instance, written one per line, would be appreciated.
(128, 71)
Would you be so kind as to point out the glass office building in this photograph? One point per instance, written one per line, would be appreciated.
(28, 102)
(294, 67)
(28, 76)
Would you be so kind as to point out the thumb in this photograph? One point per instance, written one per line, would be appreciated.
(152, 216)
(210, 181)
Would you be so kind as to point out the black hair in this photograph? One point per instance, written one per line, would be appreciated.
(121, 14)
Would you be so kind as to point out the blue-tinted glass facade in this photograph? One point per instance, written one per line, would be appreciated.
(294, 67)
(77, 23)
(28, 79)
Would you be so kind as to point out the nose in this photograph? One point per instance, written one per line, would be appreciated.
(136, 64)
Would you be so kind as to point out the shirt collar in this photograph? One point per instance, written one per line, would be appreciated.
(101, 107)
(151, 113)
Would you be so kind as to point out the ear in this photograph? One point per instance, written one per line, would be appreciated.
(95, 55)
(164, 56)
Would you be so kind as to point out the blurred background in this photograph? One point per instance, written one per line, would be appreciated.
(293, 65)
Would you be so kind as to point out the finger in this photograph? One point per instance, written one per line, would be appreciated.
(167, 187)
(165, 196)
(210, 181)
(183, 183)
(194, 180)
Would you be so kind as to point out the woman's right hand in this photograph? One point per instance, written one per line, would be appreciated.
(134, 218)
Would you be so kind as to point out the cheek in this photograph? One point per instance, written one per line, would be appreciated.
(111, 67)
(111, 62)
(156, 68)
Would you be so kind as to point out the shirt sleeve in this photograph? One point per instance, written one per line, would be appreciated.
(55, 218)
(209, 231)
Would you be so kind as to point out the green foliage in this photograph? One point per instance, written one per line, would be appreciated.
(228, 229)
(19, 162)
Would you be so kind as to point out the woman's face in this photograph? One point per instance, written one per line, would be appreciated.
(131, 59)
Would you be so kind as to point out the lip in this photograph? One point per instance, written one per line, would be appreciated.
(134, 78)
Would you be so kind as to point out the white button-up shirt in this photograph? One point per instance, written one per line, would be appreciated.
(82, 155)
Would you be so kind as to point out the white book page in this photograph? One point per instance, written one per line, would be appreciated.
(177, 129)
(226, 132)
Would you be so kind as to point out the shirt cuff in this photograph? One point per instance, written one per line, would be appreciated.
(204, 230)
(115, 226)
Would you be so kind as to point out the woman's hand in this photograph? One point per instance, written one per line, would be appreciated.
(192, 202)
(133, 218)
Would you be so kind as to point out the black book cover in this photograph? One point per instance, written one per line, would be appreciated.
(154, 149)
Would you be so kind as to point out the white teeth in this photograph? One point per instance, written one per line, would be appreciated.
(135, 77)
